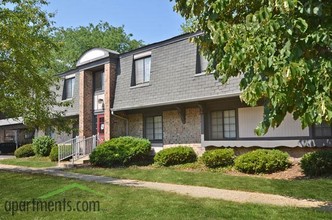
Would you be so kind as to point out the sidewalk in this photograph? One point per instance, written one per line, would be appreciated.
(193, 191)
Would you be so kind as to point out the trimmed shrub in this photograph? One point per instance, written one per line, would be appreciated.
(121, 151)
(218, 158)
(106, 155)
(24, 151)
(317, 163)
(262, 161)
(54, 153)
(139, 149)
(43, 145)
(175, 155)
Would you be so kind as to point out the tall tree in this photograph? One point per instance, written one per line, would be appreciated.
(25, 52)
(281, 48)
(75, 41)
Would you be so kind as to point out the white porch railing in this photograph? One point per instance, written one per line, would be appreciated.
(77, 148)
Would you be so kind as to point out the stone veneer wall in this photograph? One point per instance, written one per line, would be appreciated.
(176, 133)
(135, 125)
(118, 127)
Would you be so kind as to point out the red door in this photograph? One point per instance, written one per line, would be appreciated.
(101, 127)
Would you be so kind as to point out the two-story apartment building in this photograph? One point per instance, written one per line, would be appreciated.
(161, 92)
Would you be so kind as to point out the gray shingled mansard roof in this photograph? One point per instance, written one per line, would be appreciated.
(173, 80)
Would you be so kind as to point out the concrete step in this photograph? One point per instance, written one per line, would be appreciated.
(82, 161)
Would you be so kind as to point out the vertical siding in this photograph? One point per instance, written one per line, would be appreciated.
(250, 117)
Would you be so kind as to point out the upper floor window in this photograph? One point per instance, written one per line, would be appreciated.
(98, 81)
(223, 124)
(323, 130)
(142, 70)
(154, 128)
(68, 88)
(201, 63)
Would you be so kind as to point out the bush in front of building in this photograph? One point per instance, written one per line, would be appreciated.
(106, 155)
(262, 161)
(175, 155)
(24, 151)
(317, 163)
(43, 145)
(218, 158)
(139, 149)
(54, 153)
(121, 151)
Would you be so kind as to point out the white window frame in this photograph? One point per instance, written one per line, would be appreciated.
(224, 125)
(65, 90)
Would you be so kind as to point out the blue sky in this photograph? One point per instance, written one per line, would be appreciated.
(148, 20)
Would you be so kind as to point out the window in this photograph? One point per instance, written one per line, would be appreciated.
(50, 132)
(98, 81)
(223, 124)
(9, 135)
(154, 128)
(68, 88)
(323, 130)
(201, 63)
(142, 70)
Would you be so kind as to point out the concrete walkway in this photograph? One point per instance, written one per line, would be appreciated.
(193, 191)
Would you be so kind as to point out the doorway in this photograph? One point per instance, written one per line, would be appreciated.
(101, 127)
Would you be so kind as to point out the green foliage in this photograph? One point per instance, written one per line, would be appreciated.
(139, 149)
(262, 161)
(282, 49)
(24, 151)
(317, 163)
(218, 158)
(54, 153)
(106, 155)
(175, 155)
(25, 56)
(121, 151)
(43, 145)
(75, 41)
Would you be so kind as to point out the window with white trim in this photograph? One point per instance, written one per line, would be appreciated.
(68, 90)
(142, 70)
(98, 81)
(201, 62)
(223, 124)
(154, 128)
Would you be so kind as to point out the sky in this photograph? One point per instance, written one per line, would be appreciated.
(148, 20)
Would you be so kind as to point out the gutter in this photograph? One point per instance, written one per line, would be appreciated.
(126, 119)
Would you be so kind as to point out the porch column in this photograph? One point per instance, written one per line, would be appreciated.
(110, 74)
(86, 104)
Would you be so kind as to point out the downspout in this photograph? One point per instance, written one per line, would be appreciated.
(126, 119)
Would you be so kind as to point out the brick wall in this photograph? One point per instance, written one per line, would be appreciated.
(110, 73)
(86, 104)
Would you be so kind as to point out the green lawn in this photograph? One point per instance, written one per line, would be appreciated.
(30, 162)
(117, 202)
(319, 189)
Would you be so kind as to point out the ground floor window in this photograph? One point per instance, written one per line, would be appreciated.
(223, 124)
(10, 135)
(154, 128)
(323, 130)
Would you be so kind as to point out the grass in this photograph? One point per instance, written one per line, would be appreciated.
(37, 162)
(318, 189)
(117, 202)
